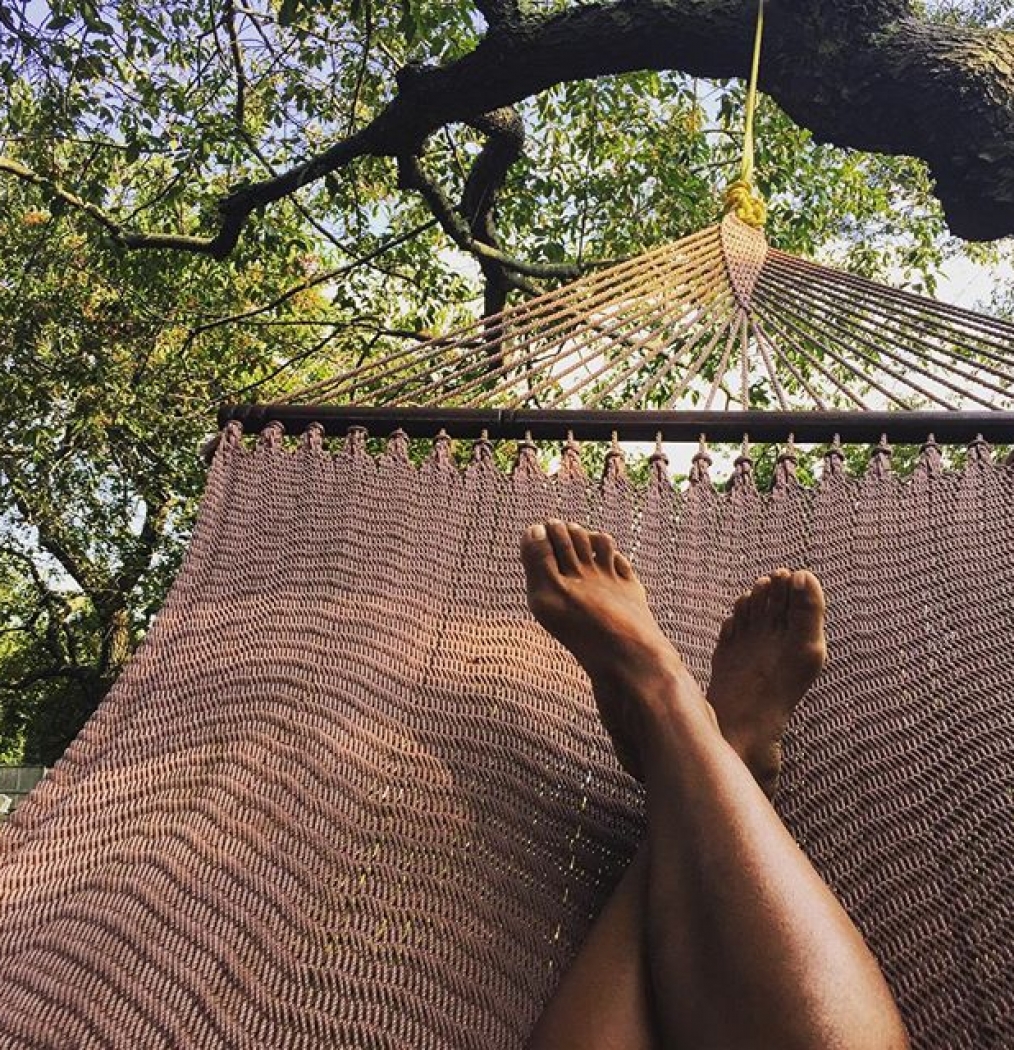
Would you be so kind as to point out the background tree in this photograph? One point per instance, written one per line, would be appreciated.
(226, 200)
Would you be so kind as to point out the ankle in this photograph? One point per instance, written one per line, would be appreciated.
(674, 708)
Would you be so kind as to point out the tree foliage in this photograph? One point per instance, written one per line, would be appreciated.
(125, 118)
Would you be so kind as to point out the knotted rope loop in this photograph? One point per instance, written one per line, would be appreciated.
(741, 198)
(231, 437)
(397, 446)
(313, 438)
(834, 460)
(616, 464)
(701, 466)
(482, 450)
(355, 441)
(742, 472)
(271, 436)
(570, 464)
(980, 451)
(442, 455)
(659, 456)
(881, 456)
(930, 458)
(787, 464)
(526, 464)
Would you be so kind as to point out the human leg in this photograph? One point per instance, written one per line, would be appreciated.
(760, 671)
(742, 943)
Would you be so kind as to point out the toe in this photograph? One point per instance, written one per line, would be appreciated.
(805, 608)
(537, 555)
(778, 600)
(727, 631)
(806, 591)
(741, 611)
(581, 542)
(759, 598)
(623, 567)
(604, 547)
(563, 546)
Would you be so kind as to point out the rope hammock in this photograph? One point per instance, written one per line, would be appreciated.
(348, 794)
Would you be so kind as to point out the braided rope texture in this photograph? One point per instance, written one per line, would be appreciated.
(350, 795)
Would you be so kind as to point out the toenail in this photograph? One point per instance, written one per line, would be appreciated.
(539, 531)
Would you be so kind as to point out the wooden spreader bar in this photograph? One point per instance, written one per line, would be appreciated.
(947, 428)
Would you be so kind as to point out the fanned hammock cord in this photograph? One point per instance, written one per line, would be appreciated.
(350, 795)
(717, 319)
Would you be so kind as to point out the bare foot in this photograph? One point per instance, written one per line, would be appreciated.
(587, 596)
(769, 652)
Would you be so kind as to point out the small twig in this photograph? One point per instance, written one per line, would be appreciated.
(229, 20)
(361, 72)
(311, 282)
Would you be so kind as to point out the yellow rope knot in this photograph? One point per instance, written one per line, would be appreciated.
(741, 200)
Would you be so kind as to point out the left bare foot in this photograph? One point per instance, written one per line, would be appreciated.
(769, 652)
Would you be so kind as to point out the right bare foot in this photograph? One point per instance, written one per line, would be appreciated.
(586, 594)
(769, 652)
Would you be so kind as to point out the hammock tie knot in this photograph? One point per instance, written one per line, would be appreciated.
(741, 201)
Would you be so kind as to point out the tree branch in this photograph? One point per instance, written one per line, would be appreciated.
(73, 672)
(860, 73)
(310, 282)
(54, 605)
(229, 20)
(498, 12)
(505, 140)
(138, 560)
(130, 240)
(53, 538)
(54, 189)
(412, 177)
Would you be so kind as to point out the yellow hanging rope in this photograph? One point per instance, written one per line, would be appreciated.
(740, 197)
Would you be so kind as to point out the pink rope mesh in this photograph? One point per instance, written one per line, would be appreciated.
(350, 795)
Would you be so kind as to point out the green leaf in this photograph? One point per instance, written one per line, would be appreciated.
(288, 12)
(408, 24)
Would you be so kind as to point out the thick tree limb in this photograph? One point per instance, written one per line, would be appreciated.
(867, 75)
(497, 12)
(139, 558)
(505, 141)
(889, 82)
(860, 73)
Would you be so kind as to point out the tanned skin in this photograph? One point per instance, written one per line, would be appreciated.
(721, 935)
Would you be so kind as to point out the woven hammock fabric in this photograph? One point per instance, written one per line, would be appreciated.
(350, 795)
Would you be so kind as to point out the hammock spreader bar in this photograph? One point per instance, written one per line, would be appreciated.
(947, 428)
